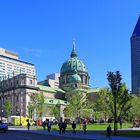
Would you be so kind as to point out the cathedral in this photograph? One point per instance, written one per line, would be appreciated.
(56, 88)
(74, 73)
(73, 76)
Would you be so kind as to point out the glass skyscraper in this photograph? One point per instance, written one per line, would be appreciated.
(135, 59)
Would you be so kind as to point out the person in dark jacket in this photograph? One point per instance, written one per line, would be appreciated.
(28, 125)
(74, 127)
(49, 125)
(64, 126)
(44, 125)
(60, 124)
(108, 130)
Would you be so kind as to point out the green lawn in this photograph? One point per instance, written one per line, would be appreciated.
(96, 126)
(131, 133)
(101, 126)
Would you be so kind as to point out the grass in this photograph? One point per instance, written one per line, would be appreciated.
(102, 126)
(129, 133)
(96, 126)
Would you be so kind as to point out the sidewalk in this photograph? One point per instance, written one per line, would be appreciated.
(91, 135)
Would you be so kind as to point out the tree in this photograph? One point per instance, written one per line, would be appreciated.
(124, 103)
(135, 110)
(36, 105)
(8, 107)
(86, 113)
(77, 102)
(104, 103)
(55, 111)
(40, 105)
(114, 80)
(121, 97)
(31, 109)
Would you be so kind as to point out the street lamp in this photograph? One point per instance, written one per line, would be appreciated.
(115, 110)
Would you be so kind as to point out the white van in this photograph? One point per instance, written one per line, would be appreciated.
(51, 119)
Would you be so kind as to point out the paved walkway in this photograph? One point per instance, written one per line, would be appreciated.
(91, 135)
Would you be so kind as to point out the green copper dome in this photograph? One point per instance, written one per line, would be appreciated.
(74, 64)
(74, 78)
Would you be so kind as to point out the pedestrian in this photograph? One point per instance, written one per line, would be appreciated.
(84, 126)
(49, 125)
(44, 125)
(108, 130)
(64, 126)
(60, 124)
(74, 127)
(120, 119)
(28, 125)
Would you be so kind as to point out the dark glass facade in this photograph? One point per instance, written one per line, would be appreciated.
(135, 59)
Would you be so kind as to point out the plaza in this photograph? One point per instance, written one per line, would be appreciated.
(70, 65)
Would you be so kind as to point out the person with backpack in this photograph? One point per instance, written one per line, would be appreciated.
(74, 127)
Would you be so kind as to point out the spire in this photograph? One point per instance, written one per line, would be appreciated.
(136, 31)
(73, 53)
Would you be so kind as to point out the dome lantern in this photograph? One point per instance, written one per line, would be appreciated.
(73, 53)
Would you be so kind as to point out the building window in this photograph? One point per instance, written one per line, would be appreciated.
(51, 101)
(16, 98)
(22, 82)
(31, 82)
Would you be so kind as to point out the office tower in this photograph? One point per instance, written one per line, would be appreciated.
(135, 59)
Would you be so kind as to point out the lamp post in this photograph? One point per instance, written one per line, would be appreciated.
(115, 111)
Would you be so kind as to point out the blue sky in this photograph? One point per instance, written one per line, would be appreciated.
(42, 31)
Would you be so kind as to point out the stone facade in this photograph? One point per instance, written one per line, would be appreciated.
(17, 90)
(57, 88)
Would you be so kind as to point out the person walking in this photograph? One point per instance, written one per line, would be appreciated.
(120, 120)
(84, 126)
(49, 125)
(60, 124)
(64, 126)
(44, 125)
(74, 127)
(28, 125)
(108, 130)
